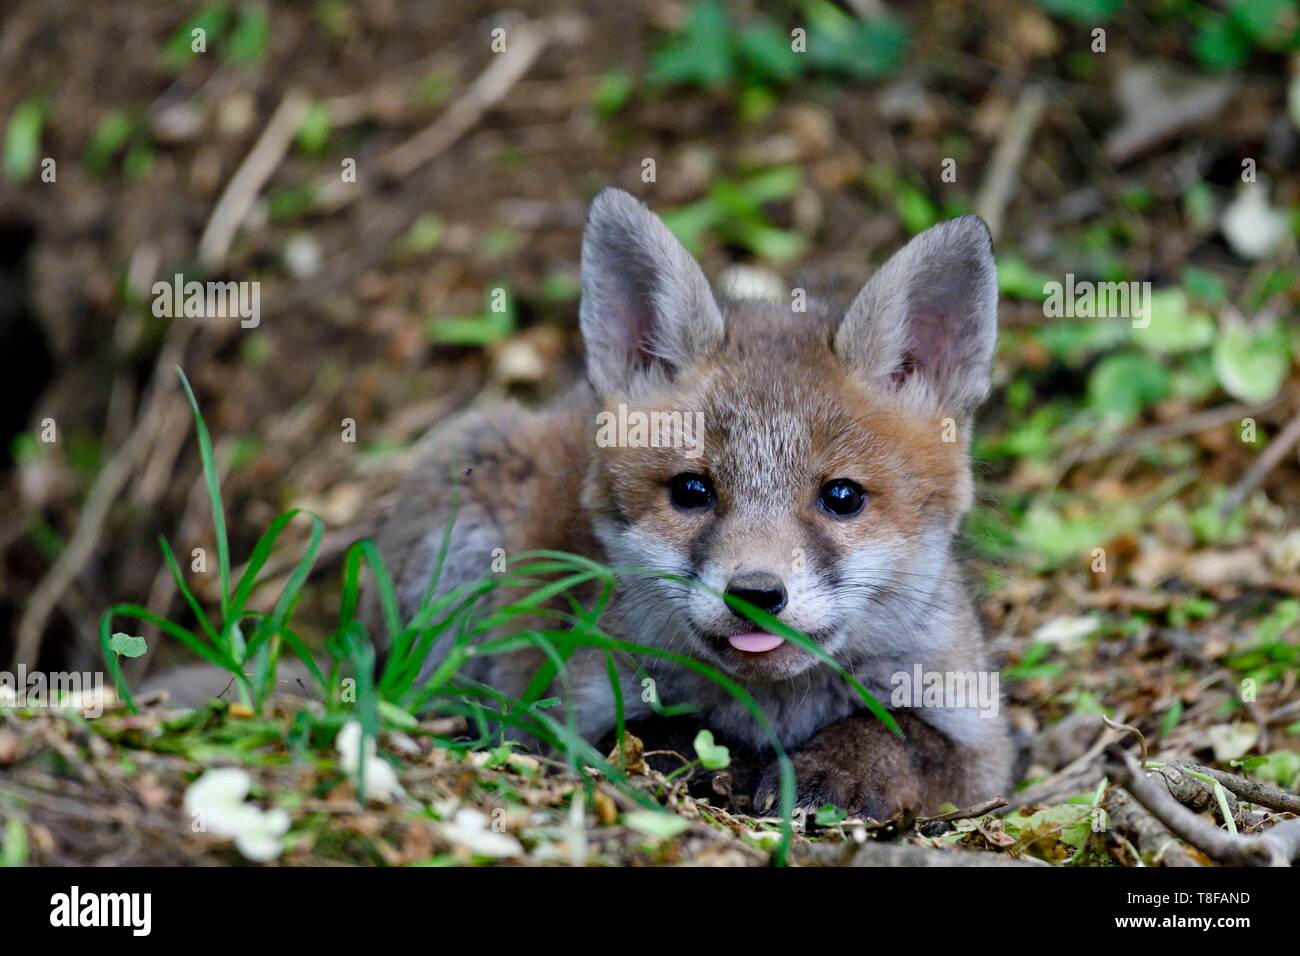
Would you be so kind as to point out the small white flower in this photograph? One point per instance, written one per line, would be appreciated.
(1068, 633)
(469, 829)
(1252, 227)
(217, 799)
(7, 696)
(381, 781)
(260, 840)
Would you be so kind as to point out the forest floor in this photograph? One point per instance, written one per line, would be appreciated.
(1135, 550)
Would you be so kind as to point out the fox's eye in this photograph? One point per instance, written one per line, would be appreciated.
(689, 490)
(841, 497)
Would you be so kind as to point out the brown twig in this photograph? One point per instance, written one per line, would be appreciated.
(1269, 459)
(524, 45)
(1260, 794)
(1201, 421)
(995, 191)
(1128, 729)
(970, 813)
(1153, 840)
(1268, 849)
(242, 190)
(1279, 714)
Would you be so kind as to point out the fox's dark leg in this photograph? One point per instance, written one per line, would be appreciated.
(859, 765)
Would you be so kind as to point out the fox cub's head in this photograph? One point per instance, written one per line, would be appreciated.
(808, 459)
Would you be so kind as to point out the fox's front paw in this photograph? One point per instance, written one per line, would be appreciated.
(861, 766)
(820, 777)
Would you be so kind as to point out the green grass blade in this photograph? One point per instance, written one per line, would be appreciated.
(300, 649)
(214, 497)
(183, 586)
(616, 688)
(257, 560)
(112, 663)
(289, 596)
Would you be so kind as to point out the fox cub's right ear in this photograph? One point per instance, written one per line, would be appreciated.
(925, 326)
(647, 310)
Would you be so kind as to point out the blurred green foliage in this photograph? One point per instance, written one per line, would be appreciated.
(1224, 36)
(711, 51)
(23, 140)
(240, 35)
(124, 134)
(494, 324)
(733, 213)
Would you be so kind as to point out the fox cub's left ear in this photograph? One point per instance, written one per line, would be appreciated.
(647, 310)
(925, 326)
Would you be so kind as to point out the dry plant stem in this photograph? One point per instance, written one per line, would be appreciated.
(1278, 714)
(1260, 794)
(525, 44)
(1201, 421)
(163, 590)
(1272, 848)
(996, 189)
(970, 813)
(350, 108)
(156, 471)
(1151, 837)
(1269, 459)
(242, 190)
(1129, 729)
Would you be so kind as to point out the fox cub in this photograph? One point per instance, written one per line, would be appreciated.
(825, 485)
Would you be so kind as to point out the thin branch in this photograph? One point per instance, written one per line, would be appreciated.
(1260, 794)
(1153, 839)
(970, 813)
(1269, 459)
(524, 45)
(1130, 729)
(1201, 421)
(1269, 849)
(242, 190)
(995, 191)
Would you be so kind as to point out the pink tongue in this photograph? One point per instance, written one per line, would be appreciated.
(755, 643)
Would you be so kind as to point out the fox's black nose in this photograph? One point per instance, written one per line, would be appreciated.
(760, 589)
